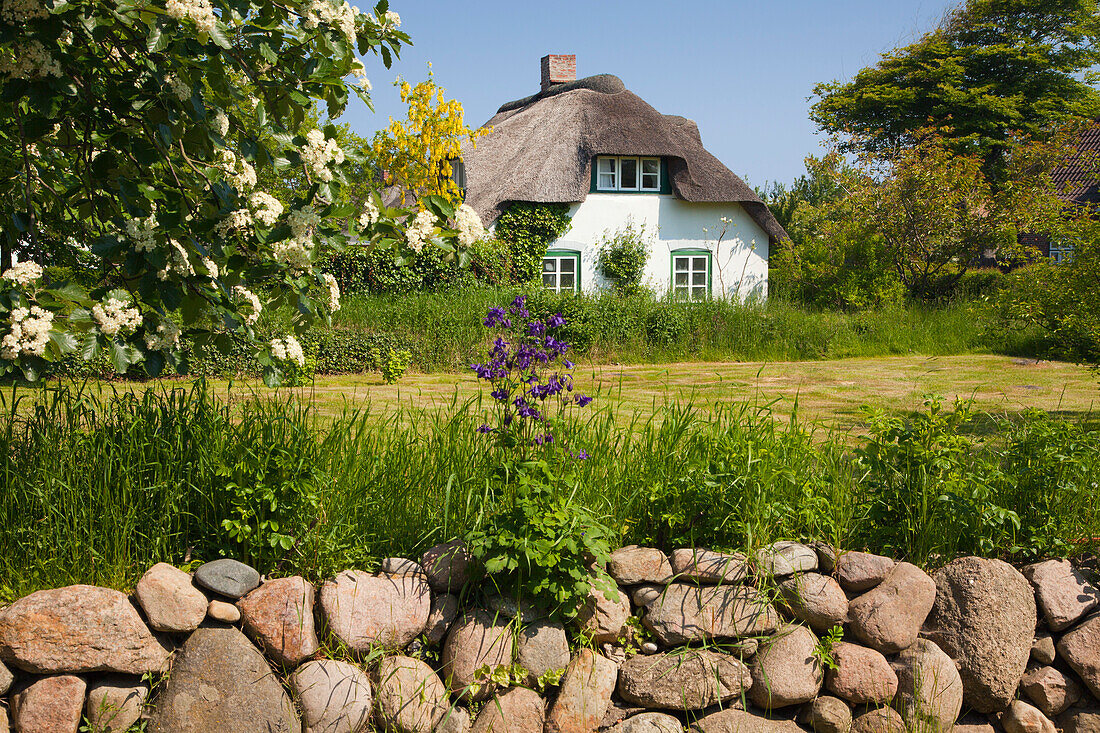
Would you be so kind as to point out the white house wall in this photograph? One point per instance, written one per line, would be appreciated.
(740, 259)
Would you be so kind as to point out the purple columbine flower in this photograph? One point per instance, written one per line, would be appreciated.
(582, 400)
(567, 364)
(496, 317)
(483, 429)
(535, 328)
(500, 394)
(555, 321)
(580, 456)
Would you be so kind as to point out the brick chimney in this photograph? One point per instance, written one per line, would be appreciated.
(558, 69)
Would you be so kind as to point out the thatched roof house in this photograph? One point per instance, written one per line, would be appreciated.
(586, 142)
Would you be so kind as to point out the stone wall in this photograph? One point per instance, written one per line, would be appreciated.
(725, 643)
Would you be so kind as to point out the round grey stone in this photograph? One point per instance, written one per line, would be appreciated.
(228, 577)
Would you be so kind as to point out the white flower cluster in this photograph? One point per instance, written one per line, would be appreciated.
(295, 254)
(370, 214)
(469, 226)
(20, 11)
(336, 13)
(266, 209)
(392, 19)
(178, 86)
(211, 268)
(28, 61)
(22, 273)
(32, 150)
(221, 123)
(29, 334)
(319, 152)
(246, 295)
(238, 171)
(165, 338)
(178, 262)
(114, 315)
(141, 233)
(288, 349)
(237, 219)
(420, 230)
(360, 73)
(333, 292)
(199, 11)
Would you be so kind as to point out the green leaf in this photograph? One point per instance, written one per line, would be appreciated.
(217, 35)
(120, 356)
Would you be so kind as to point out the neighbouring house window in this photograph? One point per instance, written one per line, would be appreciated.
(1060, 253)
(691, 274)
(623, 173)
(561, 271)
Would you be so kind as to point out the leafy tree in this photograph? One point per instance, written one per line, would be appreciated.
(622, 257)
(416, 153)
(140, 129)
(992, 70)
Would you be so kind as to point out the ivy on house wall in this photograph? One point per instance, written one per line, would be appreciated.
(529, 228)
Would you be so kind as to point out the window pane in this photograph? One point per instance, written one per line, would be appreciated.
(606, 169)
(681, 280)
(629, 172)
(681, 263)
(651, 173)
(700, 263)
(607, 165)
(699, 293)
(549, 264)
(567, 281)
(567, 264)
(548, 281)
(699, 278)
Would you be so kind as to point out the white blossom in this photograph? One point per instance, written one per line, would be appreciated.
(20, 11)
(29, 60)
(211, 267)
(369, 215)
(199, 11)
(420, 230)
(235, 220)
(333, 291)
(23, 273)
(141, 233)
(266, 209)
(165, 338)
(288, 349)
(178, 87)
(246, 295)
(115, 315)
(238, 171)
(392, 18)
(294, 254)
(29, 334)
(221, 123)
(337, 13)
(360, 73)
(319, 152)
(469, 226)
(178, 262)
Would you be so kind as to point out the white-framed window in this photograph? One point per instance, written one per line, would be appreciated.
(561, 271)
(1060, 253)
(458, 174)
(691, 274)
(627, 173)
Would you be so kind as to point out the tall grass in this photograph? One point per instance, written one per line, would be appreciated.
(96, 489)
(444, 331)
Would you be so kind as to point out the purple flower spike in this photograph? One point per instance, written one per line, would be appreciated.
(555, 321)
(483, 429)
(582, 400)
(581, 455)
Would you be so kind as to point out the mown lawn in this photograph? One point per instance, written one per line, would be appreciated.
(831, 393)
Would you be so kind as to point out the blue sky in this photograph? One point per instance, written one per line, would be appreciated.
(742, 70)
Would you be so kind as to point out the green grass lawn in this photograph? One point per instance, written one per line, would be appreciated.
(827, 392)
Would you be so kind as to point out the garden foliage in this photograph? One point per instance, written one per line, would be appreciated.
(144, 134)
(528, 228)
(622, 257)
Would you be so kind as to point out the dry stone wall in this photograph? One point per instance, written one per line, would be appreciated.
(797, 638)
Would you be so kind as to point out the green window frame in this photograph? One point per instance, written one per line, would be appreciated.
(561, 270)
(691, 273)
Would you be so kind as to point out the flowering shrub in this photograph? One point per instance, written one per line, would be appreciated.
(140, 130)
(537, 542)
(530, 376)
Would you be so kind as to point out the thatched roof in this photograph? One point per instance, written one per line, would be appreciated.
(542, 147)
(1079, 178)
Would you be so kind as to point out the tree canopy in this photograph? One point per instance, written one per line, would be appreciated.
(992, 70)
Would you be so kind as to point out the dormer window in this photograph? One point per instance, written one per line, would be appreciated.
(628, 173)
